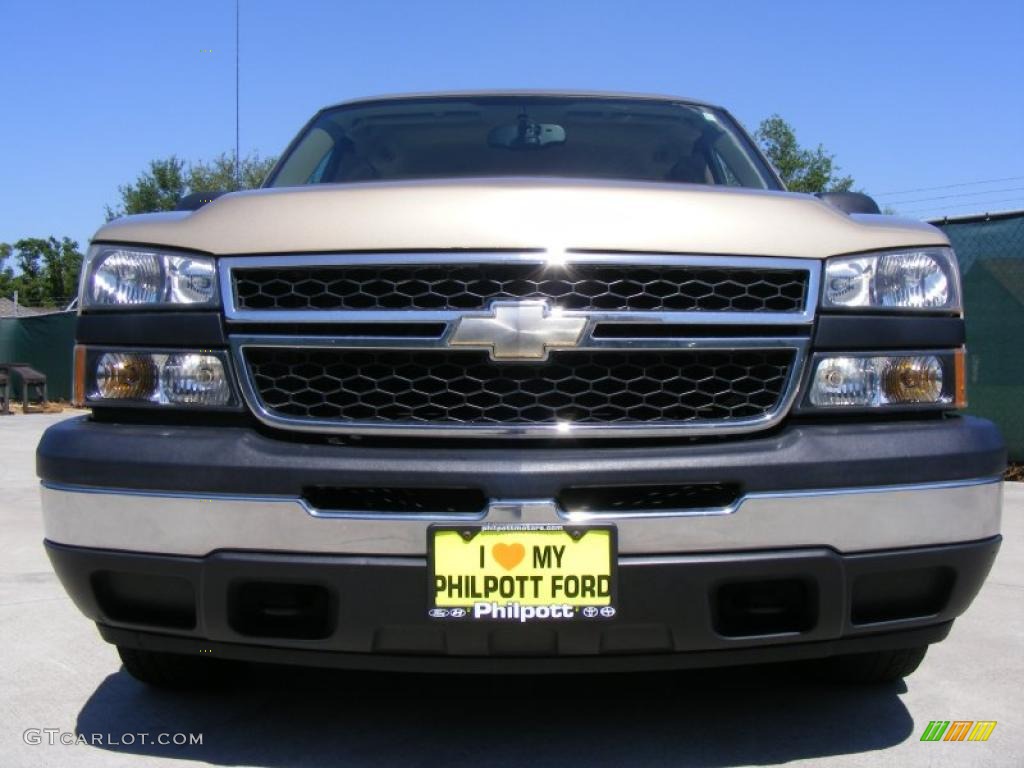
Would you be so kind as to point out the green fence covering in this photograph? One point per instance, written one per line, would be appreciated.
(46, 342)
(991, 255)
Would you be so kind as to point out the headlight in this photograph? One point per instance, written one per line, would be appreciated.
(116, 276)
(194, 379)
(172, 378)
(923, 279)
(855, 381)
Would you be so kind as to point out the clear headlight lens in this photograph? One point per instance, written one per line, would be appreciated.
(153, 378)
(115, 276)
(852, 381)
(194, 379)
(925, 279)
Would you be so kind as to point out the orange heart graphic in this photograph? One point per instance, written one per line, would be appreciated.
(508, 555)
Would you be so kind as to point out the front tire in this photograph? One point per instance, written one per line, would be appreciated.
(171, 670)
(870, 668)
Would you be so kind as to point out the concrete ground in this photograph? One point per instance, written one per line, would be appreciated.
(55, 673)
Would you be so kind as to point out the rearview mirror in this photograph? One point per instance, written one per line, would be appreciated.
(526, 134)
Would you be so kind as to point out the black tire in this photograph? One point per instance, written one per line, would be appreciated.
(870, 668)
(171, 670)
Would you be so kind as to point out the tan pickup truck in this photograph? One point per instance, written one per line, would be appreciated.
(521, 381)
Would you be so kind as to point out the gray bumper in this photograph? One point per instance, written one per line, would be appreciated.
(196, 490)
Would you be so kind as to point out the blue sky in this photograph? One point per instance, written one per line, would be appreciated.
(908, 95)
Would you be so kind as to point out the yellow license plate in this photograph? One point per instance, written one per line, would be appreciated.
(522, 572)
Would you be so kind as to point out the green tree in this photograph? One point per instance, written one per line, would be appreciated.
(48, 270)
(219, 173)
(6, 272)
(156, 189)
(168, 180)
(802, 169)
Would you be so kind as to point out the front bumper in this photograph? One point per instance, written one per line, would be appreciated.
(674, 611)
(859, 536)
(197, 490)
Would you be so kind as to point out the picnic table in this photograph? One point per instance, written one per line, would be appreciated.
(30, 379)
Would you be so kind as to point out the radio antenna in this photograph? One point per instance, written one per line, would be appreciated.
(238, 166)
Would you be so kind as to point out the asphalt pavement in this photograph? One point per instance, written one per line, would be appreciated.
(61, 683)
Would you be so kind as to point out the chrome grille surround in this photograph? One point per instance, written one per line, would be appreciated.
(700, 330)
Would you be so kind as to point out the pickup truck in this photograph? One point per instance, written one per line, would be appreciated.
(521, 381)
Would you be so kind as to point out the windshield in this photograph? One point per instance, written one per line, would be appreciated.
(557, 136)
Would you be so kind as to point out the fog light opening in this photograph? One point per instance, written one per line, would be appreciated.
(281, 609)
(772, 607)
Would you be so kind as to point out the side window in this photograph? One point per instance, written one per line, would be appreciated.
(308, 161)
(318, 173)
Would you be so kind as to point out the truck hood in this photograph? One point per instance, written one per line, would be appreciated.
(520, 214)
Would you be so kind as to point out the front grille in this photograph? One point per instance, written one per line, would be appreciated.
(576, 286)
(443, 387)
(366, 343)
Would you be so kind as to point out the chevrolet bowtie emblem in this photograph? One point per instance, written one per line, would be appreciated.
(518, 331)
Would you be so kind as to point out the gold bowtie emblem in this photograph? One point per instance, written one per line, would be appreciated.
(518, 331)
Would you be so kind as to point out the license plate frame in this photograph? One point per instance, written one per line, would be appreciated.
(589, 587)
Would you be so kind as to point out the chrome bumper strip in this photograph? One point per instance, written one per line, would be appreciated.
(848, 520)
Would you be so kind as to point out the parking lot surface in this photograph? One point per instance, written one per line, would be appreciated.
(56, 674)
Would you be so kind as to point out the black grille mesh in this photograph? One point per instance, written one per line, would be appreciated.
(463, 387)
(646, 498)
(473, 286)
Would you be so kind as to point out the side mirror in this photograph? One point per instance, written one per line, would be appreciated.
(197, 200)
(849, 202)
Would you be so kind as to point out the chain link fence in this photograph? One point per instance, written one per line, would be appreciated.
(991, 254)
